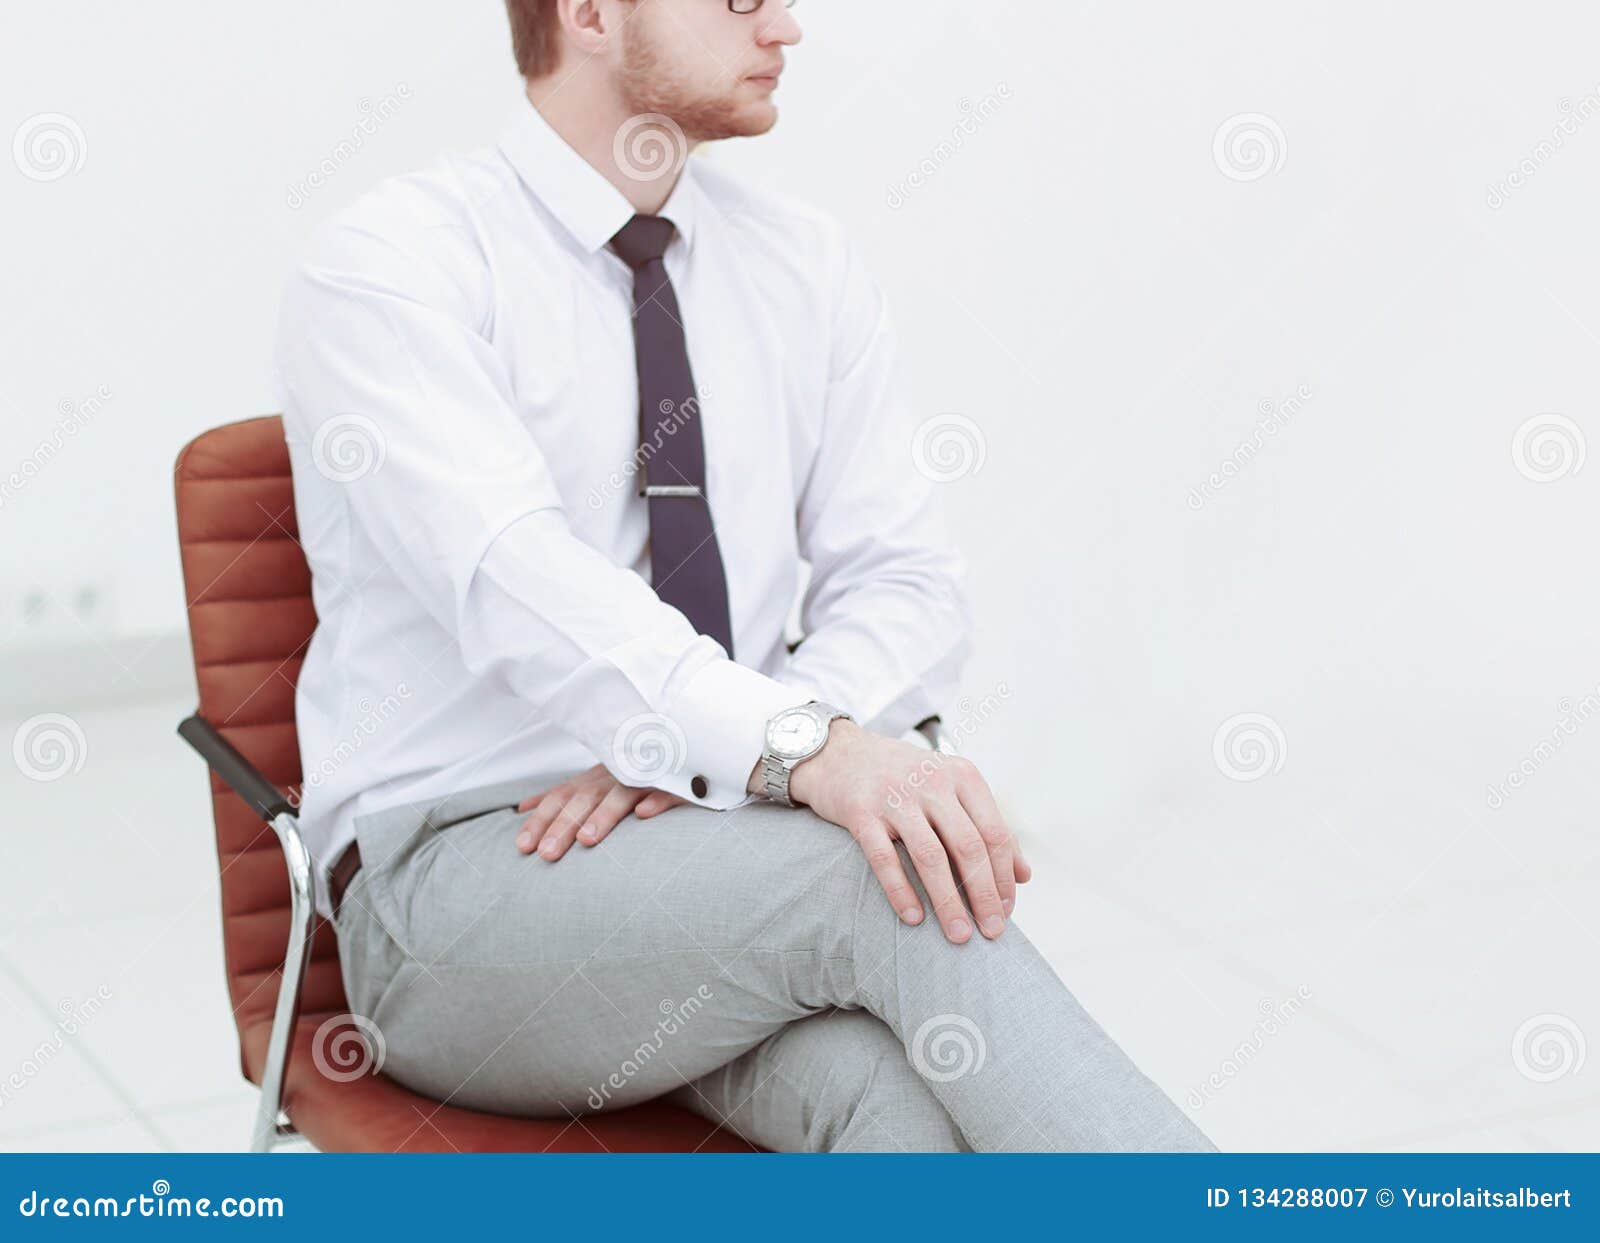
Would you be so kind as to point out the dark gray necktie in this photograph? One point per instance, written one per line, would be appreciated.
(685, 562)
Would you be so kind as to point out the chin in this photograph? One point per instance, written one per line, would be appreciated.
(752, 119)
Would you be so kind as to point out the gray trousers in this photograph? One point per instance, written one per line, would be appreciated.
(744, 964)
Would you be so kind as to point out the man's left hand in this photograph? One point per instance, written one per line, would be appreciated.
(584, 809)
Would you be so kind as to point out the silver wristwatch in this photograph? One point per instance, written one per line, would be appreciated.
(794, 736)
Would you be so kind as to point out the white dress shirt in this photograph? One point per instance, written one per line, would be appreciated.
(456, 368)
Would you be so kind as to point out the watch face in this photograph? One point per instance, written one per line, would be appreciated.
(794, 734)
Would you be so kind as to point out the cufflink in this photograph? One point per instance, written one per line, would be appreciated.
(699, 785)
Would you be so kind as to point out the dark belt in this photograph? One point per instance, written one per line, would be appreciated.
(344, 871)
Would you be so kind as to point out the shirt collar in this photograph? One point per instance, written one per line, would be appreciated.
(584, 203)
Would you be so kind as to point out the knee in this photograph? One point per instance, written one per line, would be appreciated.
(874, 1100)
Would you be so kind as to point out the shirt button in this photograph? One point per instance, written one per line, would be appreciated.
(699, 785)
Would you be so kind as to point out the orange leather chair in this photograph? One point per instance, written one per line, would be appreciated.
(250, 618)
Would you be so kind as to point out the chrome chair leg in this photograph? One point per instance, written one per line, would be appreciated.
(296, 960)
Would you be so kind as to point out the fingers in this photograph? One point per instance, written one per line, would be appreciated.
(590, 776)
(553, 831)
(884, 860)
(608, 814)
(1024, 868)
(929, 857)
(970, 852)
(656, 802)
(979, 805)
(544, 811)
(533, 800)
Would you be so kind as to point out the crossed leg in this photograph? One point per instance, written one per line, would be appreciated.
(735, 951)
(838, 1081)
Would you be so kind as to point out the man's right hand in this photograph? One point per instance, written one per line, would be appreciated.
(883, 790)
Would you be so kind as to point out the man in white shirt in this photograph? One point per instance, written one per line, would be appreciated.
(567, 415)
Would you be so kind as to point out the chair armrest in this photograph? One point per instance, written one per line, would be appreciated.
(241, 775)
(273, 806)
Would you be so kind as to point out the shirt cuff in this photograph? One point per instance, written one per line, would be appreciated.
(723, 713)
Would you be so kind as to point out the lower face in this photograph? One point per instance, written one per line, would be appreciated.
(666, 70)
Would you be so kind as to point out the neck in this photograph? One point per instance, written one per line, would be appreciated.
(588, 118)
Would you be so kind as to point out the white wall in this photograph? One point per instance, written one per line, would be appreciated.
(1079, 278)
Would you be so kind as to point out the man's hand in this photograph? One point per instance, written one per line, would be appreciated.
(584, 809)
(883, 790)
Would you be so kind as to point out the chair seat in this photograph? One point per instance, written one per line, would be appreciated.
(373, 1113)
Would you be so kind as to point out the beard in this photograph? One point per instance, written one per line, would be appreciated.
(652, 84)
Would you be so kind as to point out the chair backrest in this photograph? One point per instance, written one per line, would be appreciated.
(250, 618)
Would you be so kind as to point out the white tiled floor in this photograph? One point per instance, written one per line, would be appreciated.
(1422, 938)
